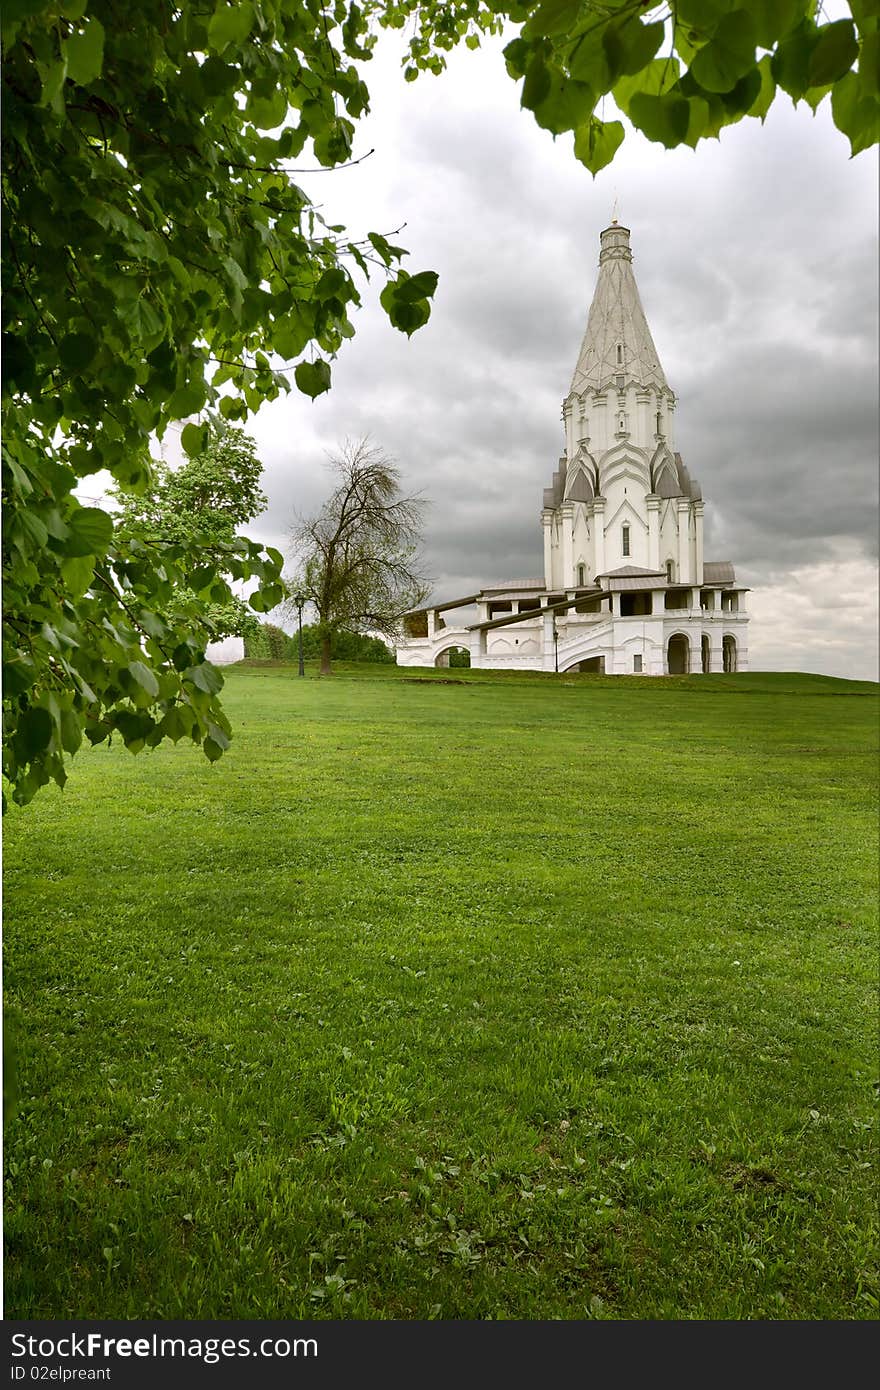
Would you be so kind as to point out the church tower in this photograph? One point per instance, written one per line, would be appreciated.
(625, 588)
(621, 496)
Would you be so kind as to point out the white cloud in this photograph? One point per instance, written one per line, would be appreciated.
(821, 618)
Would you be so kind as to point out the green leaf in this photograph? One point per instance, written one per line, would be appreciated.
(33, 527)
(627, 46)
(91, 532)
(52, 79)
(790, 64)
(313, 378)
(597, 142)
(35, 730)
(194, 439)
(212, 750)
(855, 114)
(85, 53)
(536, 83)
(201, 579)
(144, 678)
(567, 105)
(764, 99)
(267, 113)
(333, 284)
(71, 731)
(654, 80)
(174, 724)
(415, 287)
(133, 727)
(77, 573)
(774, 19)
(182, 656)
(552, 17)
(834, 53)
(703, 15)
(230, 24)
(729, 55)
(205, 677)
(77, 350)
(19, 674)
(869, 64)
(665, 119)
(293, 333)
(220, 736)
(187, 400)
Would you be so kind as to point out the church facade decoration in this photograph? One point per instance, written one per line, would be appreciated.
(626, 588)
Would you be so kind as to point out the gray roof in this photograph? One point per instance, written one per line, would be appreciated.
(553, 495)
(502, 585)
(442, 604)
(581, 489)
(630, 572)
(670, 478)
(718, 572)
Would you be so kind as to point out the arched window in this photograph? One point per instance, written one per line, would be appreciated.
(659, 422)
(624, 536)
(581, 576)
(670, 571)
(619, 355)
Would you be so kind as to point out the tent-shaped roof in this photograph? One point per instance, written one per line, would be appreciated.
(618, 340)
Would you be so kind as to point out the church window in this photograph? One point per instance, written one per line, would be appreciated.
(621, 422)
(619, 354)
(581, 575)
(670, 571)
(637, 664)
(625, 539)
(659, 422)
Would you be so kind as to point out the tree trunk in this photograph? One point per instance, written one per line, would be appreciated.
(325, 654)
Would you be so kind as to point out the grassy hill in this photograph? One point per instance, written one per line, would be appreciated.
(456, 995)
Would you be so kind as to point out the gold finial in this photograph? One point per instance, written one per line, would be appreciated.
(615, 209)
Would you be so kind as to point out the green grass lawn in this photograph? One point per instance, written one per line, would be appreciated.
(454, 995)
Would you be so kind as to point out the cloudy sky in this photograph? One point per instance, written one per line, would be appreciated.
(756, 259)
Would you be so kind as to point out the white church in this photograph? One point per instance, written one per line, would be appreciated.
(625, 588)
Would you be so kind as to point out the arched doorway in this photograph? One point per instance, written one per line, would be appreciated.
(706, 655)
(454, 656)
(728, 649)
(678, 655)
(594, 665)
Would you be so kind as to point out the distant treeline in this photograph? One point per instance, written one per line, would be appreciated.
(272, 643)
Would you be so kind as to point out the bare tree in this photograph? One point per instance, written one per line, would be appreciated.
(357, 559)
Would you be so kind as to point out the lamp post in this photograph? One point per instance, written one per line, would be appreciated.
(300, 599)
(555, 646)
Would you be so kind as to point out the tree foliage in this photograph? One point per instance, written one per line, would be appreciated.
(271, 643)
(201, 504)
(680, 71)
(160, 258)
(357, 559)
(156, 253)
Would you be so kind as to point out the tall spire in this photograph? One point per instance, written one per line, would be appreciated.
(618, 340)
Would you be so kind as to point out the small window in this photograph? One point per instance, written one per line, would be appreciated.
(619, 355)
(637, 665)
(625, 538)
(659, 422)
(621, 423)
(670, 571)
(581, 576)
